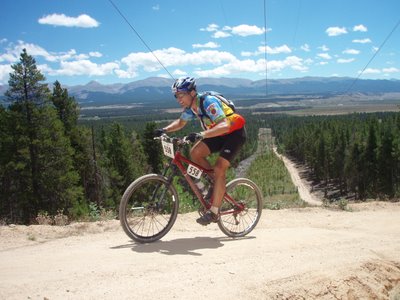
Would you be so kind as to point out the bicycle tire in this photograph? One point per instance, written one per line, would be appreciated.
(245, 192)
(148, 208)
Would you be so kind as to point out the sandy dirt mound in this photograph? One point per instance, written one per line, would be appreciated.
(310, 253)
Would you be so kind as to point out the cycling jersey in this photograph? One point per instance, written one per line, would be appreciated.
(216, 111)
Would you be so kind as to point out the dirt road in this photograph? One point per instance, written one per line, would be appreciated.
(311, 253)
(303, 187)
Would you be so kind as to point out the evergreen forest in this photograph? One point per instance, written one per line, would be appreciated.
(355, 155)
(52, 162)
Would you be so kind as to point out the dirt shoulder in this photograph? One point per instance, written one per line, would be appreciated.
(303, 187)
(311, 253)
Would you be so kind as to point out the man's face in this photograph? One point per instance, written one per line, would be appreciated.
(184, 98)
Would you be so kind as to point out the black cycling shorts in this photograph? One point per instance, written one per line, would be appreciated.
(227, 145)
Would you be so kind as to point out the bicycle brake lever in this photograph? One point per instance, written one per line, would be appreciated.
(185, 140)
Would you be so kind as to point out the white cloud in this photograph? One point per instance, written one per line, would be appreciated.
(85, 67)
(268, 49)
(351, 51)
(178, 72)
(391, 70)
(84, 21)
(5, 70)
(324, 48)
(360, 27)
(13, 53)
(206, 45)
(324, 55)
(95, 54)
(345, 61)
(8, 57)
(220, 34)
(71, 63)
(243, 30)
(246, 30)
(305, 47)
(362, 41)
(174, 57)
(276, 50)
(246, 53)
(371, 71)
(210, 28)
(335, 31)
(124, 74)
(156, 7)
(385, 71)
(308, 61)
(254, 66)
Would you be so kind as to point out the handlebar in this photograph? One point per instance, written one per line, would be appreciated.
(175, 140)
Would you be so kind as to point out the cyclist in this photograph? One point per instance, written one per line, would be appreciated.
(223, 132)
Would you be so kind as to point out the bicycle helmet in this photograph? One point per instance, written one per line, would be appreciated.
(184, 84)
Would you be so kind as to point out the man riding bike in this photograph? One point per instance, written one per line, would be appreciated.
(223, 132)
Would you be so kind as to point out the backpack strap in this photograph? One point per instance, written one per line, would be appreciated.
(203, 111)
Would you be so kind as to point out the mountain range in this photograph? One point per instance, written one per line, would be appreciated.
(158, 88)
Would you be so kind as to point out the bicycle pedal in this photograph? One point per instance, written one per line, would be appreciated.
(236, 220)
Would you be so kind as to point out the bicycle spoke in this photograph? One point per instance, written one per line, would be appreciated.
(241, 211)
(148, 208)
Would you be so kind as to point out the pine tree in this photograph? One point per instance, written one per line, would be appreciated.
(67, 108)
(41, 170)
(152, 148)
(121, 162)
(84, 156)
(386, 165)
(371, 162)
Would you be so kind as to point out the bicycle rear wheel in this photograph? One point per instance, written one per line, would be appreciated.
(235, 221)
(148, 208)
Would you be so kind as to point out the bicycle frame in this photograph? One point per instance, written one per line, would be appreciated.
(179, 160)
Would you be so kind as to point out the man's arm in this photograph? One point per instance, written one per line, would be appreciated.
(175, 125)
(221, 128)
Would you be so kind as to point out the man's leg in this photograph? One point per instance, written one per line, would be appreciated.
(212, 215)
(199, 153)
(220, 168)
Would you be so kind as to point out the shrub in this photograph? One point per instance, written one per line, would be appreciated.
(60, 219)
(43, 218)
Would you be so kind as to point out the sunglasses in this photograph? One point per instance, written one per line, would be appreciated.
(180, 95)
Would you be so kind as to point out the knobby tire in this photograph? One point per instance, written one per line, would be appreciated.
(247, 193)
(148, 208)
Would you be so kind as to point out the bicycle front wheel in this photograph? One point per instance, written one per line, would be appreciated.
(238, 221)
(148, 208)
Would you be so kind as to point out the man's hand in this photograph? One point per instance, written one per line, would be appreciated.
(194, 136)
(158, 132)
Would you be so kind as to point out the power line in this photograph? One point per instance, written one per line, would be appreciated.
(227, 24)
(373, 56)
(265, 48)
(297, 22)
(138, 35)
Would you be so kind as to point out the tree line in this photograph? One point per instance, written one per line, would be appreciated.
(357, 154)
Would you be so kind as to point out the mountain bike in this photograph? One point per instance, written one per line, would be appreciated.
(149, 206)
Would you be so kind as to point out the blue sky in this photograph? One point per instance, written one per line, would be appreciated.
(76, 41)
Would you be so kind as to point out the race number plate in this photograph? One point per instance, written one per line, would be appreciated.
(194, 171)
(168, 149)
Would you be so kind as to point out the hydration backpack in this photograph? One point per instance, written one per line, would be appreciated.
(218, 96)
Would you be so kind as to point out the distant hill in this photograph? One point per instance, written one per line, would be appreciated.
(157, 88)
